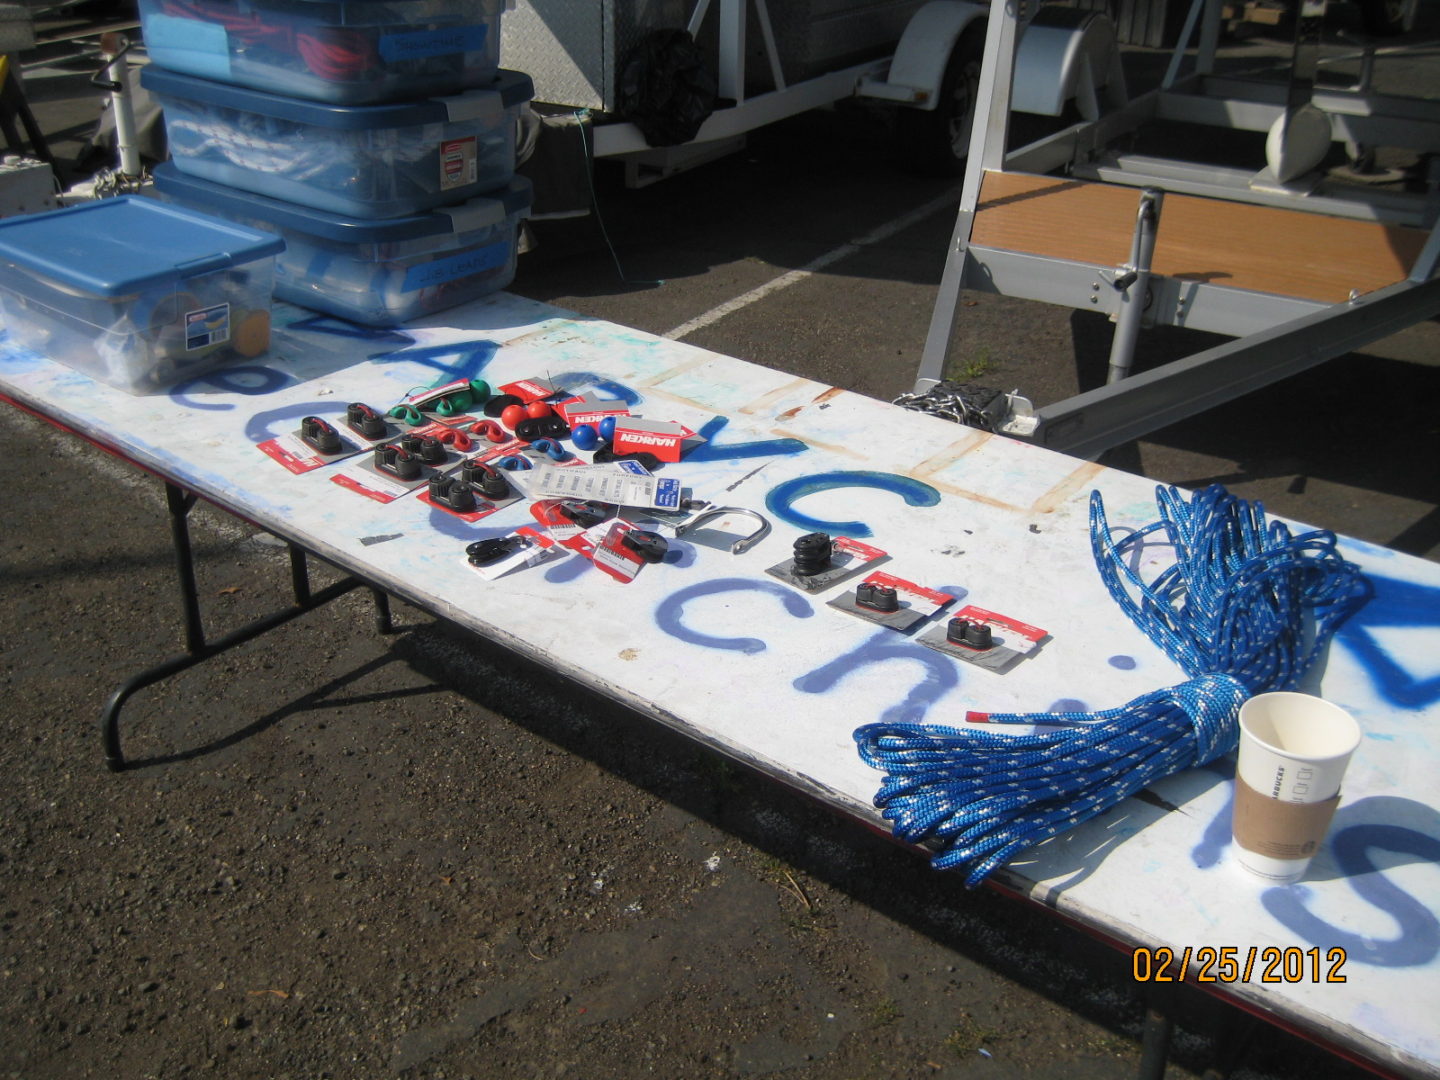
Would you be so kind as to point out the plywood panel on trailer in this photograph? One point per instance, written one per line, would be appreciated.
(1263, 249)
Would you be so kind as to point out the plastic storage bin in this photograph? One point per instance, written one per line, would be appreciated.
(349, 52)
(136, 293)
(380, 273)
(365, 161)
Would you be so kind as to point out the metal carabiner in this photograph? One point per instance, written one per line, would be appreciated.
(739, 547)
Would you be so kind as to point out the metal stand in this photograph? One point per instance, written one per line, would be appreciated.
(1155, 1040)
(198, 649)
(1133, 285)
(1237, 1030)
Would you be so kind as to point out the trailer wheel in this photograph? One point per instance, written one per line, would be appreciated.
(936, 142)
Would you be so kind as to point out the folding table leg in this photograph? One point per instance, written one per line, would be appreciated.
(1155, 1042)
(198, 648)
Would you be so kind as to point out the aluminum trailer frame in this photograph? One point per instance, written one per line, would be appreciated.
(1277, 334)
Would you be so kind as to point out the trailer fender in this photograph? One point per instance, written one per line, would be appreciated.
(1067, 53)
(924, 49)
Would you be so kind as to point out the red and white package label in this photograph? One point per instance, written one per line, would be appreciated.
(372, 485)
(420, 396)
(663, 438)
(292, 452)
(590, 409)
(916, 597)
(458, 162)
(612, 556)
(528, 390)
(848, 552)
(557, 523)
(1011, 633)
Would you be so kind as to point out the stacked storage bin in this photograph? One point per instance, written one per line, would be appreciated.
(378, 138)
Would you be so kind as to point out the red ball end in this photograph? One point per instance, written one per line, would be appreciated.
(512, 415)
(538, 410)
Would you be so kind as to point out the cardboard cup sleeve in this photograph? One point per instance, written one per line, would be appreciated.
(1280, 829)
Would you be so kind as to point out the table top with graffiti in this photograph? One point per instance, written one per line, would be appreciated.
(710, 643)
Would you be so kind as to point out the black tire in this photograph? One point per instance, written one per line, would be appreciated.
(1388, 18)
(936, 142)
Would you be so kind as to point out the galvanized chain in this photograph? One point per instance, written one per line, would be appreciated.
(964, 403)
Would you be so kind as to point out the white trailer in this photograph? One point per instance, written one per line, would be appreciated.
(772, 59)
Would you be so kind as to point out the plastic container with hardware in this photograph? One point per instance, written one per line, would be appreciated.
(347, 52)
(364, 161)
(379, 273)
(135, 293)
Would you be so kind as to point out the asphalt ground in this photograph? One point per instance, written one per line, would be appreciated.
(351, 855)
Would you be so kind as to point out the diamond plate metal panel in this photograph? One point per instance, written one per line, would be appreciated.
(574, 50)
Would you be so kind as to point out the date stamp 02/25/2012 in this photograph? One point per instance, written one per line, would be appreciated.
(1236, 964)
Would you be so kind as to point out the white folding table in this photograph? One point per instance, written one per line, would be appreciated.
(709, 644)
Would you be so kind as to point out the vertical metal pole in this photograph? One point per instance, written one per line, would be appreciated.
(987, 151)
(1209, 37)
(767, 32)
(179, 504)
(1155, 1042)
(731, 74)
(1177, 57)
(383, 625)
(126, 133)
(1134, 285)
(299, 575)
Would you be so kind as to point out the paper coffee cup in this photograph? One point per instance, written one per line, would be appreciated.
(1293, 752)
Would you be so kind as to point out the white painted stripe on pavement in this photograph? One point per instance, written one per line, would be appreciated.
(883, 232)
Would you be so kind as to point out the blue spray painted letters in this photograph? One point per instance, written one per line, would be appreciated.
(711, 451)
(781, 498)
(939, 678)
(573, 382)
(669, 615)
(248, 379)
(1418, 941)
(1394, 604)
(455, 360)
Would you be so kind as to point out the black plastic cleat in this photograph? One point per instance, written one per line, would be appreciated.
(452, 493)
(651, 547)
(531, 429)
(978, 636)
(426, 447)
(393, 461)
(487, 551)
(876, 597)
(585, 513)
(486, 479)
(813, 552)
(320, 435)
(607, 454)
(364, 420)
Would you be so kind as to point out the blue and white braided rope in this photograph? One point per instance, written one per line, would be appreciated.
(1244, 608)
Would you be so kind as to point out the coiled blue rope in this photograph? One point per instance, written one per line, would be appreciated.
(1244, 608)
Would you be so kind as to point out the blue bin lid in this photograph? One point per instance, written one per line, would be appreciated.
(514, 198)
(512, 88)
(114, 247)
